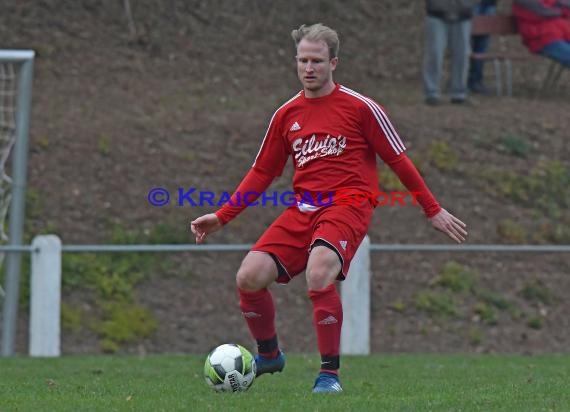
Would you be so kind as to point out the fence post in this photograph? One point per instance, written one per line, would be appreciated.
(355, 293)
(45, 296)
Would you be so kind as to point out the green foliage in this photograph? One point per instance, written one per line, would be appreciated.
(34, 206)
(113, 277)
(45, 50)
(169, 234)
(475, 335)
(122, 236)
(398, 306)
(535, 322)
(508, 183)
(24, 285)
(109, 346)
(188, 155)
(484, 142)
(161, 233)
(104, 145)
(485, 313)
(70, 317)
(43, 142)
(515, 145)
(494, 299)
(516, 312)
(555, 231)
(443, 156)
(497, 301)
(117, 285)
(25, 271)
(536, 291)
(124, 323)
(49, 228)
(549, 186)
(388, 180)
(546, 187)
(546, 191)
(434, 303)
(110, 275)
(511, 231)
(456, 277)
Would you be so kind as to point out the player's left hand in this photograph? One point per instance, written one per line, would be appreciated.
(450, 225)
(204, 225)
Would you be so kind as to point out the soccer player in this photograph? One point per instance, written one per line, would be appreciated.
(333, 135)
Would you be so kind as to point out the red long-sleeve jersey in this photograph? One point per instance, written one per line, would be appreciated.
(333, 141)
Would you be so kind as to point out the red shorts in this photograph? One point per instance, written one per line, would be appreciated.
(291, 236)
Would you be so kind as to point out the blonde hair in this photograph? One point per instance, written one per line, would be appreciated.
(318, 32)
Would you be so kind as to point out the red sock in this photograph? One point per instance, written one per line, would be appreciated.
(259, 312)
(327, 318)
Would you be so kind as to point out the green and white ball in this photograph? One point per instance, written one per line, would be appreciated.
(230, 368)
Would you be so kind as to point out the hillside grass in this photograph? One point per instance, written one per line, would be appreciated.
(371, 383)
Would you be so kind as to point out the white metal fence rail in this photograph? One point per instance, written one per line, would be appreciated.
(45, 287)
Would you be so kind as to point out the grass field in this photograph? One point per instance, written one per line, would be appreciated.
(374, 383)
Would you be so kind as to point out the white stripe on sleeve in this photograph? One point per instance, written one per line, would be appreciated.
(381, 118)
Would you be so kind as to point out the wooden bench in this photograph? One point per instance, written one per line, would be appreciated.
(505, 25)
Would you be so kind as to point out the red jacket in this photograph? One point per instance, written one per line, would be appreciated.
(538, 28)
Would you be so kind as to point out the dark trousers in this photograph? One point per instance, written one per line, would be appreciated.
(479, 44)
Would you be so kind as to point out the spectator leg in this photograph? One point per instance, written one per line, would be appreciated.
(498, 80)
(460, 49)
(436, 33)
(559, 51)
(509, 77)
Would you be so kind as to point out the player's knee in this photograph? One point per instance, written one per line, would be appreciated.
(246, 280)
(256, 272)
(252, 278)
(318, 278)
(323, 268)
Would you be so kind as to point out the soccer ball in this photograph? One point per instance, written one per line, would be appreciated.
(230, 368)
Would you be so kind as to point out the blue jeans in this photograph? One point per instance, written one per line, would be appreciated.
(479, 44)
(559, 51)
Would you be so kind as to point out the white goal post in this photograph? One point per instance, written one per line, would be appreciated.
(16, 74)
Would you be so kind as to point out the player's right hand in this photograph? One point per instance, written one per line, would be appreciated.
(204, 225)
(446, 223)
